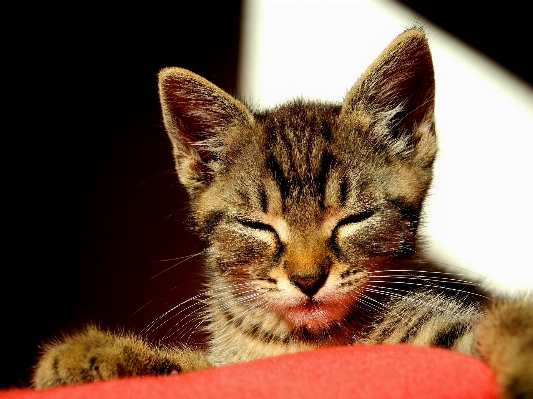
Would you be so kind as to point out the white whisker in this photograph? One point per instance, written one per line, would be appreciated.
(198, 298)
(183, 259)
(204, 315)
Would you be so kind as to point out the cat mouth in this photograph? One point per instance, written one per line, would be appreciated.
(313, 315)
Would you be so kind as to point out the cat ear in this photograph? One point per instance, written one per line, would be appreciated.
(201, 120)
(396, 96)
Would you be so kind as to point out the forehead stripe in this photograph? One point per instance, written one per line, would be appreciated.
(321, 178)
(279, 177)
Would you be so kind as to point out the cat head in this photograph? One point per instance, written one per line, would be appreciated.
(306, 200)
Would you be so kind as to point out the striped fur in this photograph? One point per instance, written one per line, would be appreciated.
(309, 213)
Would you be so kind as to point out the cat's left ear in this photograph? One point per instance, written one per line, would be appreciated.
(202, 121)
(395, 97)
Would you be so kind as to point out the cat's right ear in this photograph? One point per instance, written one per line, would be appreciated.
(202, 121)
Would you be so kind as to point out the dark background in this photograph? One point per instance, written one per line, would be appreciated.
(92, 205)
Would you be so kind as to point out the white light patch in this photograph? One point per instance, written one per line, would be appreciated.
(478, 213)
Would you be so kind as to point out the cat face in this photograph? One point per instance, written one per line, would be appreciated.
(305, 226)
(303, 206)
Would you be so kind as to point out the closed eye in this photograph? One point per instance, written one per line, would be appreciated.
(280, 248)
(352, 219)
(257, 225)
(357, 218)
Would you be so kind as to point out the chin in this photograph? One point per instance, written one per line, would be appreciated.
(317, 317)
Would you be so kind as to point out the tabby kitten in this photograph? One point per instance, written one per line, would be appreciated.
(309, 213)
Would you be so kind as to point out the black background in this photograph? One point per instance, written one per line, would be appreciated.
(92, 206)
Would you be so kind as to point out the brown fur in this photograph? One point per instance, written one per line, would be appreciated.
(94, 355)
(505, 341)
(310, 213)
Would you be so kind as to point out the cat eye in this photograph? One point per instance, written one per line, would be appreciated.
(280, 247)
(352, 219)
(257, 225)
(357, 218)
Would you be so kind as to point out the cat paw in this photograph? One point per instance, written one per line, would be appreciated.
(90, 355)
(95, 355)
(505, 341)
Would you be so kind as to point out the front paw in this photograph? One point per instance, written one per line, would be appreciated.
(94, 355)
(90, 355)
(505, 341)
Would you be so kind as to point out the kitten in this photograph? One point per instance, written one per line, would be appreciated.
(309, 214)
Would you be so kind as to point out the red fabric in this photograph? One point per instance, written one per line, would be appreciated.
(384, 372)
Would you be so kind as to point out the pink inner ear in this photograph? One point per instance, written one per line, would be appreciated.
(401, 76)
(187, 109)
(198, 116)
(195, 107)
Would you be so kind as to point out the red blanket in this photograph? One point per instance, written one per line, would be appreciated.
(383, 372)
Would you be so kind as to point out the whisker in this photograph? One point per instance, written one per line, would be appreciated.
(193, 331)
(160, 295)
(430, 284)
(195, 314)
(414, 271)
(183, 259)
(204, 315)
(211, 297)
(152, 327)
(152, 178)
(468, 271)
(208, 294)
(419, 302)
(370, 305)
(426, 278)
